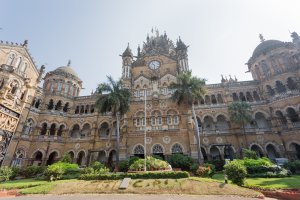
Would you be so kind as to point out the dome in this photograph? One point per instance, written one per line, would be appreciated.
(266, 46)
(66, 70)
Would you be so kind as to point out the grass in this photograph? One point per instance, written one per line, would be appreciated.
(292, 182)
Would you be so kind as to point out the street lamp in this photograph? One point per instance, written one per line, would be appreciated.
(145, 132)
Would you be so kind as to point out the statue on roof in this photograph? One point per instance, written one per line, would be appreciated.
(261, 37)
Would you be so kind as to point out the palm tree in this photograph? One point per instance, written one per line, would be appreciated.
(240, 113)
(189, 89)
(113, 98)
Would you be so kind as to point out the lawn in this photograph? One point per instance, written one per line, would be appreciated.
(193, 185)
(269, 183)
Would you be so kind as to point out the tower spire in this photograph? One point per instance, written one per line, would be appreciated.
(69, 63)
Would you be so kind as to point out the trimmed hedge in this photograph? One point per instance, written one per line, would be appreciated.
(142, 175)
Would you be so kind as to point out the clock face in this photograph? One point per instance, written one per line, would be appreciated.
(154, 64)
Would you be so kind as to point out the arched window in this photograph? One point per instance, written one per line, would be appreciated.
(222, 124)
(139, 151)
(51, 104)
(10, 59)
(52, 129)
(156, 119)
(140, 120)
(261, 121)
(28, 126)
(23, 67)
(270, 90)
(37, 103)
(67, 88)
(59, 86)
(213, 99)
(60, 130)
(66, 107)
(291, 113)
(157, 149)
(44, 129)
(256, 96)
(172, 118)
(19, 156)
(271, 151)
(18, 62)
(242, 96)
(215, 153)
(291, 84)
(220, 99)
(75, 132)
(280, 88)
(177, 149)
(77, 110)
(14, 85)
(104, 130)
(207, 100)
(208, 124)
(86, 130)
(281, 119)
(235, 97)
(58, 105)
(249, 97)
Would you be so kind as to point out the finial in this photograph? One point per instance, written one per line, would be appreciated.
(222, 80)
(128, 45)
(69, 63)
(261, 37)
(235, 78)
(25, 43)
(139, 50)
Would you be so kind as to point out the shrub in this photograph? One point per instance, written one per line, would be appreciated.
(181, 161)
(236, 172)
(219, 164)
(54, 172)
(257, 162)
(97, 165)
(202, 171)
(143, 175)
(194, 167)
(293, 166)
(125, 164)
(66, 158)
(33, 170)
(5, 173)
(247, 153)
(211, 167)
(58, 169)
(279, 174)
(16, 172)
(151, 164)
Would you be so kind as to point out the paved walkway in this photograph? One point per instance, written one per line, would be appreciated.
(130, 197)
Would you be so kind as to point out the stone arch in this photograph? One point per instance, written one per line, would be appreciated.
(294, 148)
(292, 115)
(208, 123)
(138, 150)
(215, 152)
(75, 131)
(86, 130)
(220, 98)
(80, 158)
(53, 157)
(112, 157)
(256, 96)
(44, 127)
(280, 87)
(291, 84)
(158, 149)
(176, 148)
(102, 156)
(37, 157)
(235, 97)
(71, 153)
(281, 119)
(104, 129)
(204, 154)
(19, 155)
(272, 150)
(258, 149)
(52, 129)
(222, 123)
(249, 96)
(270, 90)
(261, 121)
(228, 152)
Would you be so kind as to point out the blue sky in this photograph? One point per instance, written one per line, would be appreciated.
(93, 33)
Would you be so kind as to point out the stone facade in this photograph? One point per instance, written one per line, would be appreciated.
(54, 119)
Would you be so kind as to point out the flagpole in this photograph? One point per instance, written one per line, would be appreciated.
(145, 133)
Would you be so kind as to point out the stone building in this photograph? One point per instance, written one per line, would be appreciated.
(54, 119)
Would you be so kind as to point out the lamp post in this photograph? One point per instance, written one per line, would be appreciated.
(145, 132)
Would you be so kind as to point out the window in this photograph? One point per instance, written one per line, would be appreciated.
(169, 120)
(52, 87)
(59, 86)
(10, 59)
(176, 120)
(66, 88)
(18, 62)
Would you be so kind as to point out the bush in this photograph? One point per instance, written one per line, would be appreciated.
(97, 165)
(236, 172)
(5, 173)
(263, 169)
(194, 167)
(293, 166)
(16, 172)
(58, 169)
(202, 171)
(181, 161)
(219, 164)
(143, 175)
(33, 170)
(54, 172)
(247, 153)
(66, 158)
(151, 164)
(257, 162)
(125, 164)
(280, 174)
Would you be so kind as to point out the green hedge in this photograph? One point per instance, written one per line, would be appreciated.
(142, 175)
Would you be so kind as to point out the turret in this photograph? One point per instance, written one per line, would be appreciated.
(182, 57)
(296, 39)
(127, 58)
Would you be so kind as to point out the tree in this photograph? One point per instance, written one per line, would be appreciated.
(188, 90)
(240, 113)
(113, 98)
